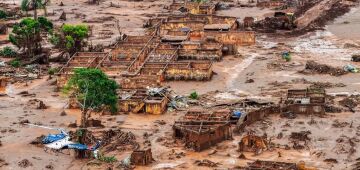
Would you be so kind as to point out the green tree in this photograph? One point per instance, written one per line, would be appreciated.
(71, 38)
(93, 90)
(3, 14)
(26, 34)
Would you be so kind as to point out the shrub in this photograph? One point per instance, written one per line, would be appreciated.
(3, 14)
(15, 63)
(8, 52)
(107, 159)
(194, 95)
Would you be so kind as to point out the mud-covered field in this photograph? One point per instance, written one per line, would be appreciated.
(333, 141)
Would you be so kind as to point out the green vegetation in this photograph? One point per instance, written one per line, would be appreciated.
(107, 159)
(71, 38)
(15, 63)
(26, 34)
(93, 91)
(194, 95)
(8, 52)
(3, 14)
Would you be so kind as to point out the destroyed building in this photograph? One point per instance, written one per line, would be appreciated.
(141, 157)
(271, 3)
(200, 130)
(253, 143)
(305, 101)
(140, 101)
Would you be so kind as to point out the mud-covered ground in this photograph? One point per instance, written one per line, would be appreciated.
(330, 134)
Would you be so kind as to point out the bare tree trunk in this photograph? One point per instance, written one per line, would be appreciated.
(84, 118)
(82, 138)
(45, 11)
(35, 9)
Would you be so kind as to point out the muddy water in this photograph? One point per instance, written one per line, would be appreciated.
(347, 26)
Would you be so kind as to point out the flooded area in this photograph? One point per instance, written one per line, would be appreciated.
(347, 26)
(199, 87)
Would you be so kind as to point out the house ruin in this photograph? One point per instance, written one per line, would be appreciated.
(253, 143)
(305, 101)
(141, 157)
(200, 130)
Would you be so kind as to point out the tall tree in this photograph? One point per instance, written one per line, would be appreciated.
(25, 35)
(93, 90)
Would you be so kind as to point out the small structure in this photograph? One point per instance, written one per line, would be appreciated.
(141, 157)
(200, 130)
(305, 101)
(253, 143)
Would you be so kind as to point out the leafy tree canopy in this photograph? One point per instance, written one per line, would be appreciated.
(93, 89)
(25, 34)
(71, 37)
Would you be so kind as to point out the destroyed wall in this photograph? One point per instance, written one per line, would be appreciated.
(189, 71)
(271, 4)
(252, 143)
(193, 7)
(198, 139)
(201, 51)
(156, 105)
(305, 101)
(256, 115)
(141, 157)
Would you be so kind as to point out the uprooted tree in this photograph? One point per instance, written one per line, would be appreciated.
(71, 38)
(93, 91)
(26, 35)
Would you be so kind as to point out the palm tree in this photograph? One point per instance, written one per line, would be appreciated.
(36, 4)
(25, 6)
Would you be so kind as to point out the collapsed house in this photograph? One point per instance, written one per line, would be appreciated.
(305, 101)
(200, 130)
(253, 143)
(141, 157)
(270, 3)
(142, 101)
(192, 7)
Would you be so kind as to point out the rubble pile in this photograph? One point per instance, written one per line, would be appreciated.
(3, 163)
(111, 140)
(207, 163)
(24, 163)
(313, 67)
(36, 104)
(350, 102)
(38, 141)
(345, 145)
